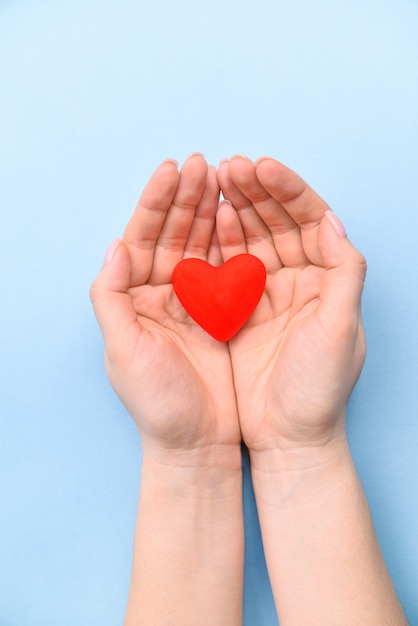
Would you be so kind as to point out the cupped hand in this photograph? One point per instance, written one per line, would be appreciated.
(174, 379)
(298, 358)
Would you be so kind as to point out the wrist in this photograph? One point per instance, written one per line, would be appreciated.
(209, 472)
(293, 472)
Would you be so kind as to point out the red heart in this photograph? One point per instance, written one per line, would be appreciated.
(220, 299)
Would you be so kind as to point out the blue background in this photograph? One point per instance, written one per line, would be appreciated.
(94, 94)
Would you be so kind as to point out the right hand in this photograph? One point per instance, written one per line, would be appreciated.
(296, 361)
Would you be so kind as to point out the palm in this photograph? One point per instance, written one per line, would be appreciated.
(289, 358)
(194, 372)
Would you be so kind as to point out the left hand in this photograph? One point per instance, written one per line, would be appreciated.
(174, 379)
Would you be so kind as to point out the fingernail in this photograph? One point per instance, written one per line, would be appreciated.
(222, 202)
(111, 250)
(337, 223)
(262, 158)
(197, 154)
(240, 156)
(173, 161)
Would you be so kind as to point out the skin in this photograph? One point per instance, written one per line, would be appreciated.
(308, 323)
(295, 365)
(281, 384)
(176, 382)
(173, 220)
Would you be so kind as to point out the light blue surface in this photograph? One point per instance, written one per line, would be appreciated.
(93, 96)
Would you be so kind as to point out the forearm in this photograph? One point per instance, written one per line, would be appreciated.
(323, 557)
(188, 551)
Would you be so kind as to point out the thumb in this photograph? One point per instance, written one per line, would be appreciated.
(110, 297)
(346, 271)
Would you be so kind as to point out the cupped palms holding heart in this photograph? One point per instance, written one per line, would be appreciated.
(220, 299)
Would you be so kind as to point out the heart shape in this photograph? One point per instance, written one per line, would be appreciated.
(220, 299)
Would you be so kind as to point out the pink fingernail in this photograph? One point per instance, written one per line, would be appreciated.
(224, 201)
(111, 250)
(337, 223)
(172, 161)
